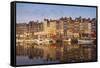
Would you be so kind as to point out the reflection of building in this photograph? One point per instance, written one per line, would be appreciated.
(88, 53)
(77, 53)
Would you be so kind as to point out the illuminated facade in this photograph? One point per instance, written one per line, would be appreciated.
(63, 28)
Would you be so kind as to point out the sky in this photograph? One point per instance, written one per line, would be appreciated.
(26, 12)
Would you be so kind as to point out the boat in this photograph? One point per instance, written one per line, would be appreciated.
(67, 40)
(85, 41)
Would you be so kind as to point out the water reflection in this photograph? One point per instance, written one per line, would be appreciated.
(55, 53)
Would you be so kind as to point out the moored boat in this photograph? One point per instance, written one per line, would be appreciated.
(85, 41)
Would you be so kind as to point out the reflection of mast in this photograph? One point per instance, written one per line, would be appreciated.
(81, 53)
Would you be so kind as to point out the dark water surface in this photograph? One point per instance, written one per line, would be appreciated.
(54, 53)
